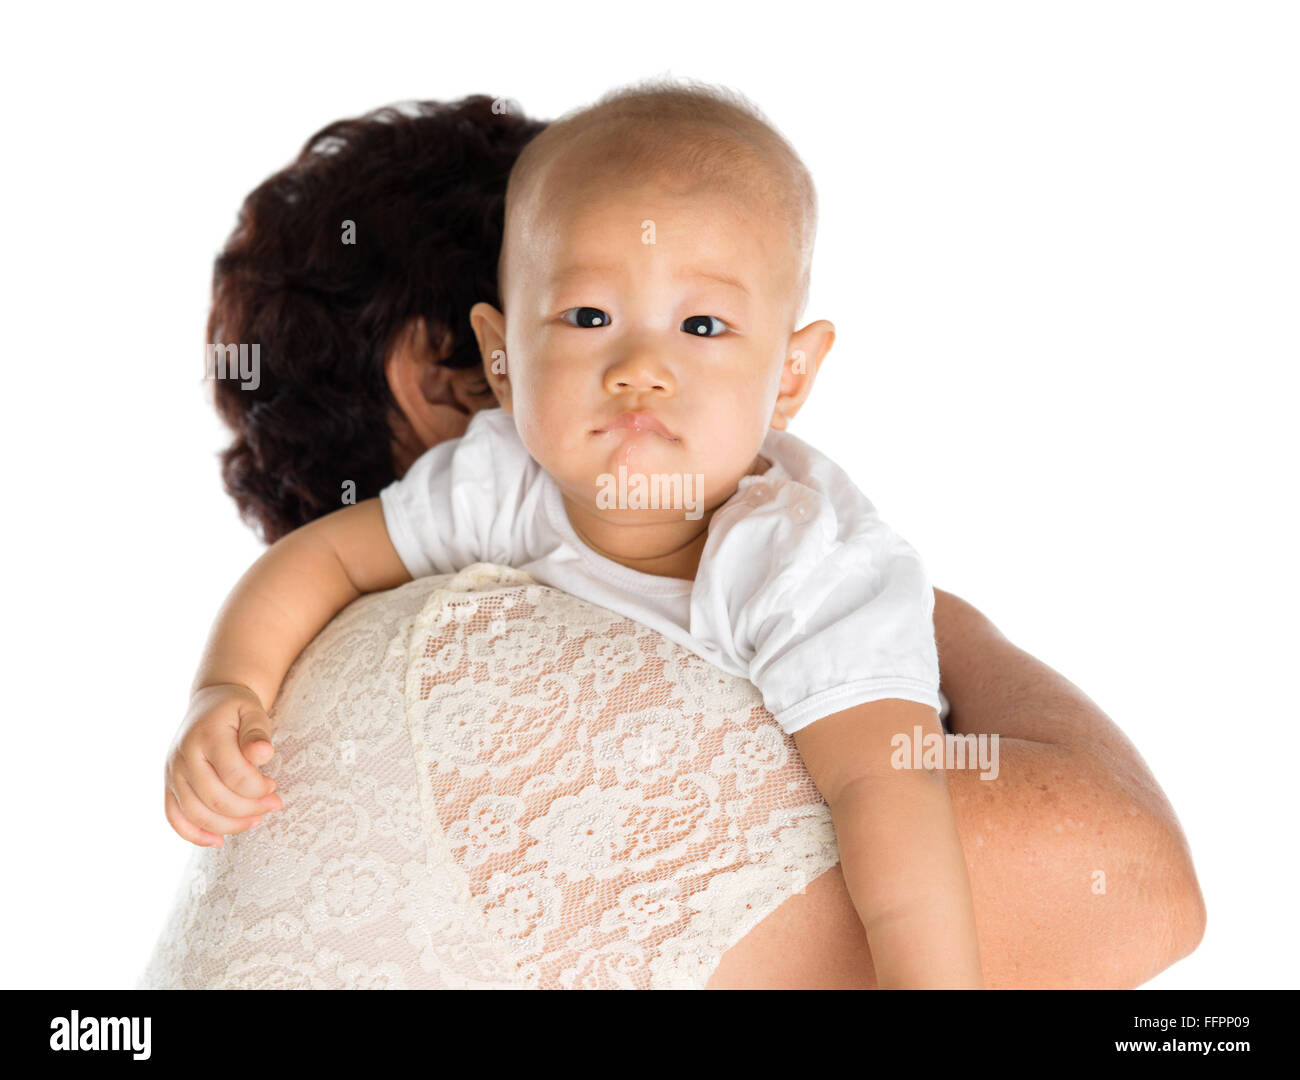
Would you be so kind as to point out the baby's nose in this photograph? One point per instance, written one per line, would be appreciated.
(640, 373)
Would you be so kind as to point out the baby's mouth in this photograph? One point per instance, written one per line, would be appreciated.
(637, 421)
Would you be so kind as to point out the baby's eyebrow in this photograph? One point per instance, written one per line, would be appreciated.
(717, 275)
(705, 272)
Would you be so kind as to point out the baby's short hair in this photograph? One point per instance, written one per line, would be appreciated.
(705, 135)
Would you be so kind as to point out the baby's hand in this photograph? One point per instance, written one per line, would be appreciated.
(213, 787)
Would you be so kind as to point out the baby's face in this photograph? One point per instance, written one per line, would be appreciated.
(672, 312)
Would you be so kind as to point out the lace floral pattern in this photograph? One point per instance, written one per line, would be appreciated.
(492, 784)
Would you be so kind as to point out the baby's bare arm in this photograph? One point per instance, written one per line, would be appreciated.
(900, 852)
(906, 874)
(292, 592)
(283, 601)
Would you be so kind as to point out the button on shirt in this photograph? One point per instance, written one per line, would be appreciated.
(801, 587)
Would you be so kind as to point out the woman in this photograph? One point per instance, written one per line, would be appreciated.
(354, 269)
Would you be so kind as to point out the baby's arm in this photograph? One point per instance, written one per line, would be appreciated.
(900, 852)
(275, 610)
(292, 592)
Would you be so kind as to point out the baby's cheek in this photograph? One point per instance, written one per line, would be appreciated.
(550, 438)
(533, 433)
(734, 439)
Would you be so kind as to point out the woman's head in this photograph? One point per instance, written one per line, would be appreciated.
(354, 270)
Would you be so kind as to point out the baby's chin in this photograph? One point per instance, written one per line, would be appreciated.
(643, 473)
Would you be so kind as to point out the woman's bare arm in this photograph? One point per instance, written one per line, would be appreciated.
(1073, 797)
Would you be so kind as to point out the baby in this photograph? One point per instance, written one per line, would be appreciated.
(655, 263)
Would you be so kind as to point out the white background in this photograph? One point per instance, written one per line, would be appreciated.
(1058, 242)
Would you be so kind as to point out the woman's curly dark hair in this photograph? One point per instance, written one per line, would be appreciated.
(425, 185)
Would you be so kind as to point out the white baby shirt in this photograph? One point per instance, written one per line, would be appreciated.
(802, 589)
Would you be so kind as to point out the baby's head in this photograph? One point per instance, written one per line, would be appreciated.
(656, 259)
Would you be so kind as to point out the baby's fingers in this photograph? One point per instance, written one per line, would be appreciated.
(198, 812)
(196, 809)
(233, 771)
(186, 828)
(221, 780)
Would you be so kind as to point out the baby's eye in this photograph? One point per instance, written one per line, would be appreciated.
(587, 317)
(697, 325)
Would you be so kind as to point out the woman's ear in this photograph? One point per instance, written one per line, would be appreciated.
(435, 402)
(490, 329)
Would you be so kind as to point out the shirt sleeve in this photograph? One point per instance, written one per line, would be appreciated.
(447, 512)
(855, 625)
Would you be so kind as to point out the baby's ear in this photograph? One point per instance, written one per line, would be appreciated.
(803, 359)
(489, 327)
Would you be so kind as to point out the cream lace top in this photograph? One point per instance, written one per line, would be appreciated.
(491, 784)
